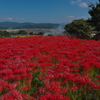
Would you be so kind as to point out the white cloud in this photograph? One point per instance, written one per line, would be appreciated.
(81, 17)
(70, 16)
(84, 5)
(80, 3)
(77, 1)
(72, 2)
(74, 17)
(12, 18)
(7, 18)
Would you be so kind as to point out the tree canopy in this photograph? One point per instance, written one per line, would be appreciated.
(78, 28)
(94, 12)
(22, 32)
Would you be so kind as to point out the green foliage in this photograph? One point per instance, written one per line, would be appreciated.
(78, 28)
(31, 33)
(40, 33)
(95, 15)
(96, 37)
(22, 32)
(5, 34)
(50, 35)
(36, 83)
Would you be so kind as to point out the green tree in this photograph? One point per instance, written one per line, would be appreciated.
(31, 33)
(94, 12)
(5, 34)
(50, 35)
(96, 37)
(40, 33)
(22, 32)
(78, 28)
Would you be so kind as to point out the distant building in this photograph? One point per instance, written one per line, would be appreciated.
(12, 30)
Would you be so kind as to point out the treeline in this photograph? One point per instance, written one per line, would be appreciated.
(19, 33)
(85, 29)
(5, 34)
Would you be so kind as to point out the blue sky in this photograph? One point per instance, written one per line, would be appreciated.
(44, 11)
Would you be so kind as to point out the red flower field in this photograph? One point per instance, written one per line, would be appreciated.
(49, 68)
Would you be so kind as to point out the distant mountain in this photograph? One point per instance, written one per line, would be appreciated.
(27, 25)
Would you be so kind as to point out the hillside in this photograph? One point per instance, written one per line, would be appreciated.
(27, 25)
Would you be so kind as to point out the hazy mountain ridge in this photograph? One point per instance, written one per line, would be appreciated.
(27, 25)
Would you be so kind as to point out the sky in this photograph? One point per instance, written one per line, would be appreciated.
(44, 11)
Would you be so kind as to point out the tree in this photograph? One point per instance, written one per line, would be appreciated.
(22, 32)
(78, 28)
(50, 35)
(5, 34)
(96, 37)
(94, 12)
(40, 33)
(31, 33)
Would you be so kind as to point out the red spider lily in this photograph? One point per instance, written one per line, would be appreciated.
(49, 68)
